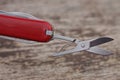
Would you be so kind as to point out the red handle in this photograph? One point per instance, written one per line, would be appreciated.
(24, 28)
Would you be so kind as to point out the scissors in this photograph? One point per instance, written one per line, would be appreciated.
(27, 28)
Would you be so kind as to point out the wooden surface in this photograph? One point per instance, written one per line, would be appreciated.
(82, 19)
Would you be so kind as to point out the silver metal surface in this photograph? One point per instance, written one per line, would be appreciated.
(85, 45)
(17, 39)
(55, 36)
(97, 50)
(94, 50)
(48, 32)
(19, 14)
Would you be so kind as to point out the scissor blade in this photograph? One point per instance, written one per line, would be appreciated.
(94, 50)
(100, 41)
(97, 50)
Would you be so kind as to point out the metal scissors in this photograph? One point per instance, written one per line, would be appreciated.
(87, 45)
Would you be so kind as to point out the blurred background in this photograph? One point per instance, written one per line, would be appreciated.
(82, 19)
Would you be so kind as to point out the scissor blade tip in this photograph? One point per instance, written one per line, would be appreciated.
(99, 41)
(108, 38)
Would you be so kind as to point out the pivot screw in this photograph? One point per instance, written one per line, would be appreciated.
(82, 45)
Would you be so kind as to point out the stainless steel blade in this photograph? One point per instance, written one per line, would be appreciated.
(97, 50)
(94, 50)
(100, 41)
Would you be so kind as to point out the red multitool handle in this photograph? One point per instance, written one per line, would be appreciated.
(24, 28)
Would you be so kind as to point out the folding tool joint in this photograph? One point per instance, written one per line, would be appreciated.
(83, 45)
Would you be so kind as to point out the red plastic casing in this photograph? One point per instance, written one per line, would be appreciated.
(23, 28)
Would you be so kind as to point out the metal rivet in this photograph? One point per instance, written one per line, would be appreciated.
(82, 45)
